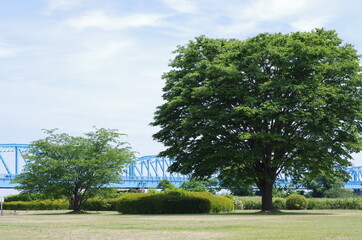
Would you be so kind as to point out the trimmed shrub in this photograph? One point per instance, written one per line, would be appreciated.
(173, 203)
(200, 194)
(252, 204)
(220, 204)
(37, 205)
(100, 204)
(174, 192)
(279, 204)
(96, 204)
(296, 202)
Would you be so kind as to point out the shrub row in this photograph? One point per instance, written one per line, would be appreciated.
(37, 205)
(173, 202)
(312, 203)
(178, 202)
(100, 204)
(351, 203)
(96, 204)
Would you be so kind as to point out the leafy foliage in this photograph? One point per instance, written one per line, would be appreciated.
(76, 168)
(249, 109)
(164, 184)
(279, 204)
(24, 197)
(339, 193)
(194, 185)
(296, 202)
(324, 181)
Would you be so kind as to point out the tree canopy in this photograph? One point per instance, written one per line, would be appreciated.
(77, 168)
(323, 182)
(251, 109)
(194, 185)
(164, 184)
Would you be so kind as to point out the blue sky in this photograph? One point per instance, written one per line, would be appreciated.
(74, 64)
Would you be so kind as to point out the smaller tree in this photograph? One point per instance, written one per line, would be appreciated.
(324, 181)
(76, 168)
(194, 185)
(164, 184)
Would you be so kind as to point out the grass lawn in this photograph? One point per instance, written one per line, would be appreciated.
(321, 224)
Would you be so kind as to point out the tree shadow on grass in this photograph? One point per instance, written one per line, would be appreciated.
(237, 213)
(273, 213)
(63, 213)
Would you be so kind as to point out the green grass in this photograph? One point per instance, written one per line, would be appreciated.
(322, 224)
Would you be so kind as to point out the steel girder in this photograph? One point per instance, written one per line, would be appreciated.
(11, 161)
(148, 171)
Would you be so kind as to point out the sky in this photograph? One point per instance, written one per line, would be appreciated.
(75, 64)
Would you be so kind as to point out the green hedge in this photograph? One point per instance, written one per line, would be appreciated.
(37, 205)
(100, 204)
(249, 203)
(350, 203)
(173, 203)
(97, 204)
(279, 203)
(178, 202)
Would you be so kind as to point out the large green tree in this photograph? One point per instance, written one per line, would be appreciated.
(252, 109)
(74, 167)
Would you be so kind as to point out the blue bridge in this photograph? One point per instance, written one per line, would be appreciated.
(145, 172)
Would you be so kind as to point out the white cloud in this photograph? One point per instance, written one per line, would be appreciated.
(100, 20)
(182, 6)
(7, 52)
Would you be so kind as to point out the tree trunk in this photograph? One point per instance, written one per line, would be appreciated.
(76, 206)
(266, 189)
(75, 202)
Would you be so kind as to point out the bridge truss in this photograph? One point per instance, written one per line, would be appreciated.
(144, 172)
(148, 171)
(11, 162)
